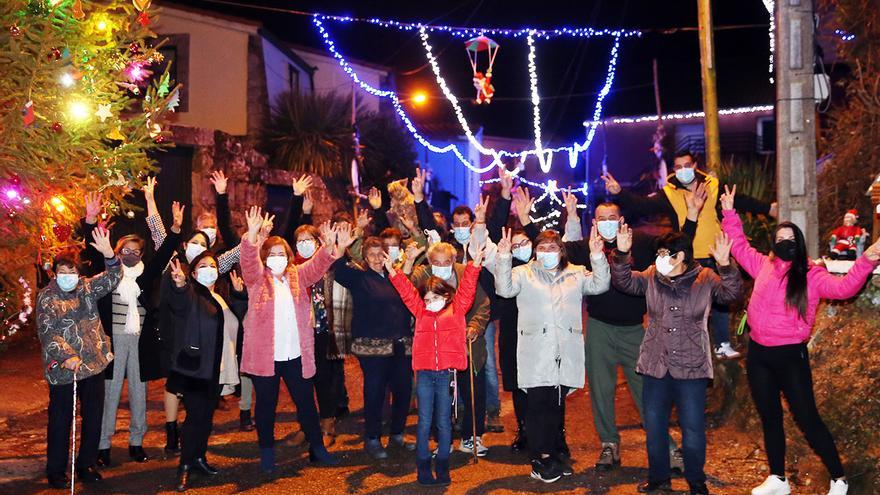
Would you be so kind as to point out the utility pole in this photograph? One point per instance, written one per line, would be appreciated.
(795, 119)
(710, 94)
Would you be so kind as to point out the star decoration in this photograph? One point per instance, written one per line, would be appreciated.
(104, 112)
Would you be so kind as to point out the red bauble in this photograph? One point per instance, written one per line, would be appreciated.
(14, 31)
(57, 127)
(62, 232)
(160, 139)
(134, 48)
(14, 179)
(54, 54)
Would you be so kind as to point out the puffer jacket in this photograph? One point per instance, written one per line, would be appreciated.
(677, 340)
(439, 342)
(550, 348)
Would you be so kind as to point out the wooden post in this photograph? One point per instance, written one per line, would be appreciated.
(795, 119)
(710, 94)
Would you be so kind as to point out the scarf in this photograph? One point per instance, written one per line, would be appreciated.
(129, 291)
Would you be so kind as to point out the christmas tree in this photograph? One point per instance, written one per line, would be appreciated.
(83, 99)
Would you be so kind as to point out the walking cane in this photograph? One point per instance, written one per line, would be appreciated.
(473, 402)
(73, 441)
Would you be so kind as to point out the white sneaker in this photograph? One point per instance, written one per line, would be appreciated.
(773, 485)
(467, 446)
(726, 351)
(838, 487)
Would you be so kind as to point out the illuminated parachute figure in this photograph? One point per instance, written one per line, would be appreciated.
(482, 82)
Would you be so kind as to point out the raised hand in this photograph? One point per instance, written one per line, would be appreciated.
(237, 282)
(728, 197)
(611, 185)
(597, 244)
(328, 234)
(479, 251)
(873, 251)
(721, 250)
(522, 203)
(267, 226)
(177, 210)
(93, 207)
(480, 209)
(409, 222)
(418, 185)
(505, 242)
(254, 218)
(362, 218)
(218, 178)
(150, 189)
(389, 264)
(375, 198)
(624, 238)
(177, 274)
(101, 242)
(571, 203)
(301, 184)
(344, 239)
(696, 199)
(506, 180)
(307, 202)
(413, 250)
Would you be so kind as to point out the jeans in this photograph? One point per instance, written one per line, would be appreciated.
(90, 392)
(786, 369)
(380, 374)
(301, 391)
(435, 406)
(493, 403)
(689, 398)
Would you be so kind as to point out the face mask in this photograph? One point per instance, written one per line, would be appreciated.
(549, 260)
(462, 234)
(608, 229)
(212, 234)
(663, 265)
(523, 253)
(443, 272)
(394, 253)
(207, 275)
(130, 260)
(436, 305)
(785, 249)
(685, 175)
(67, 281)
(306, 248)
(193, 250)
(277, 264)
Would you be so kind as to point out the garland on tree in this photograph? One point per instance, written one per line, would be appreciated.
(80, 108)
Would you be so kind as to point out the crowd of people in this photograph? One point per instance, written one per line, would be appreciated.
(420, 304)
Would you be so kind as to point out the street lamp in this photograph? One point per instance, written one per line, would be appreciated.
(419, 98)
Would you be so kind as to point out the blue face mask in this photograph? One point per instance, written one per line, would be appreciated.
(394, 252)
(685, 175)
(608, 229)
(523, 253)
(462, 234)
(444, 272)
(549, 260)
(67, 281)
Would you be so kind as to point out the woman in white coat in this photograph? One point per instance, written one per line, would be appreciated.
(550, 349)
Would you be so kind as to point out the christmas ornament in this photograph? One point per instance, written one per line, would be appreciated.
(143, 19)
(62, 232)
(848, 239)
(15, 31)
(103, 112)
(15, 180)
(54, 54)
(141, 5)
(77, 10)
(57, 127)
(174, 100)
(482, 81)
(160, 139)
(116, 135)
(27, 114)
(134, 48)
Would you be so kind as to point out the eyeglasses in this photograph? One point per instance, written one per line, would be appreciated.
(665, 252)
(136, 252)
(521, 244)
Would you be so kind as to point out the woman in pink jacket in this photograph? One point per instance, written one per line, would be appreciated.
(278, 331)
(781, 312)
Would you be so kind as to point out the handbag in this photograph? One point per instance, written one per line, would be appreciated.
(372, 347)
(407, 345)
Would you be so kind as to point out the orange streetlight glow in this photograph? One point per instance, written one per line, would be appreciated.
(420, 98)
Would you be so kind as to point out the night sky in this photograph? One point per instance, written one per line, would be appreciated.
(570, 70)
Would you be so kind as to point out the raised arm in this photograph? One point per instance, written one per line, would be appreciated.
(634, 205)
(154, 220)
(408, 294)
(730, 285)
(599, 281)
(251, 265)
(224, 218)
(507, 284)
(830, 286)
(103, 283)
(467, 289)
(624, 278)
(296, 208)
(747, 256)
(423, 210)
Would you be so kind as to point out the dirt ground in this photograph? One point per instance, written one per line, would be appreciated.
(735, 460)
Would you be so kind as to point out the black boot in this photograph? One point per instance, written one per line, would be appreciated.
(172, 438)
(103, 458)
(201, 464)
(519, 442)
(442, 467)
(425, 476)
(88, 475)
(246, 423)
(137, 453)
(698, 488)
(182, 477)
(655, 486)
(58, 481)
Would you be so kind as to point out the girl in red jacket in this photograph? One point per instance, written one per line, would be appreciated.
(438, 350)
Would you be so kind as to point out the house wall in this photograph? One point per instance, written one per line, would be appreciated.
(278, 73)
(217, 76)
(329, 77)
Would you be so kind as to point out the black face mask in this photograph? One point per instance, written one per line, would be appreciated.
(785, 249)
(130, 260)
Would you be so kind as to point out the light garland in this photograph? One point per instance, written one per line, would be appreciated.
(466, 32)
(26, 310)
(844, 35)
(543, 161)
(770, 5)
(679, 116)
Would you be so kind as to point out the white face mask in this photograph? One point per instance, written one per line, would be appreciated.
(443, 272)
(207, 275)
(663, 265)
(685, 175)
(193, 250)
(436, 305)
(67, 281)
(212, 234)
(306, 248)
(394, 252)
(549, 260)
(608, 229)
(278, 264)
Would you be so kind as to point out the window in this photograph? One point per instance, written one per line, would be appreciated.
(176, 55)
(293, 79)
(766, 129)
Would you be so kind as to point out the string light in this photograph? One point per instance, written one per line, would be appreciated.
(770, 5)
(543, 161)
(844, 35)
(679, 116)
(78, 111)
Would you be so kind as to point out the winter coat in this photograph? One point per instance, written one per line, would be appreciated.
(772, 323)
(477, 317)
(440, 338)
(677, 340)
(68, 325)
(258, 349)
(377, 310)
(550, 349)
